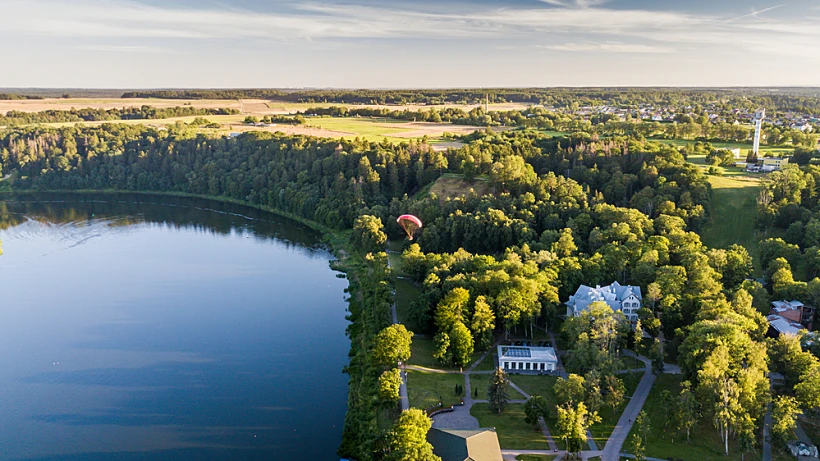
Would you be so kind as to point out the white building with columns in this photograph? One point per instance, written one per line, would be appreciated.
(522, 359)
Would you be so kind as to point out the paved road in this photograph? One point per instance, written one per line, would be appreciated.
(405, 400)
(618, 437)
(767, 425)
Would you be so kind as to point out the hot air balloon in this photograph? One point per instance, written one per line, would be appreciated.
(410, 224)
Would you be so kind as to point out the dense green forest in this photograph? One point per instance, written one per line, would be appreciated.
(797, 99)
(558, 212)
(13, 118)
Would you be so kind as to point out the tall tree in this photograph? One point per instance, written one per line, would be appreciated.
(368, 233)
(389, 384)
(569, 391)
(573, 423)
(688, 414)
(483, 323)
(534, 408)
(407, 440)
(392, 345)
(615, 392)
(784, 418)
(498, 391)
(461, 342)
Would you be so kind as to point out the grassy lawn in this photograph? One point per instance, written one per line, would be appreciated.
(601, 431)
(421, 354)
(406, 294)
(535, 457)
(513, 432)
(536, 385)
(487, 364)
(705, 444)
(424, 389)
(482, 382)
(812, 428)
(543, 386)
(734, 208)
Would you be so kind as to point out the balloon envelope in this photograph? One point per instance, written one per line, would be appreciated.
(410, 224)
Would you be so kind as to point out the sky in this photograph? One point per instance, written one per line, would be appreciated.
(407, 44)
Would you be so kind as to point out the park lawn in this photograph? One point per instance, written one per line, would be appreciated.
(535, 457)
(543, 386)
(705, 444)
(732, 219)
(513, 432)
(482, 382)
(488, 363)
(425, 389)
(421, 354)
(601, 431)
(406, 293)
(536, 385)
(812, 428)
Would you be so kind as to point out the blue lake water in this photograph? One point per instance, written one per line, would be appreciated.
(147, 328)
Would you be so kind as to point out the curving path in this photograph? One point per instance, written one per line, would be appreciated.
(616, 440)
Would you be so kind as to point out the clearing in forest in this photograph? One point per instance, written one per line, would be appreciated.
(732, 220)
(453, 186)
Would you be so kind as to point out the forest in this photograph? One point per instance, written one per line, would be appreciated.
(13, 118)
(559, 212)
(782, 99)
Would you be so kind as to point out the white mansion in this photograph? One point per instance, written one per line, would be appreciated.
(624, 298)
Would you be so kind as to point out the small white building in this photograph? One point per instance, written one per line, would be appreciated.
(624, 298)
(524, 358)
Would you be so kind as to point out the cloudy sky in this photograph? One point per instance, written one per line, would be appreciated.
(414, 43)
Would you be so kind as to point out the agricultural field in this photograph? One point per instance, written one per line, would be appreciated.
(371, 129)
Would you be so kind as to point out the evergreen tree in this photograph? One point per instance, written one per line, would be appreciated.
(498, 391)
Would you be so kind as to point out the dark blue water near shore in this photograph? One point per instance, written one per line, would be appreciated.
(154, 328)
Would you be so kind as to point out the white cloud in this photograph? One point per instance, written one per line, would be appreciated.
(585, 24)
(127, 48)
(608, 47)
(575, 3)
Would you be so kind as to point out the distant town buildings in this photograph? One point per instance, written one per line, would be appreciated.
(624, 298)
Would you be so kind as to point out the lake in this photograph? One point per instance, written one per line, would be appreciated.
(161, 328)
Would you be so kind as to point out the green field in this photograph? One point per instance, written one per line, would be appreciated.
(513, 432)
(535, 457)
(421, 354)
(424, 389)
(705, 444)
(602, 430)
(406, 294)
(734, 207)
(774, 150)
(482, 382)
